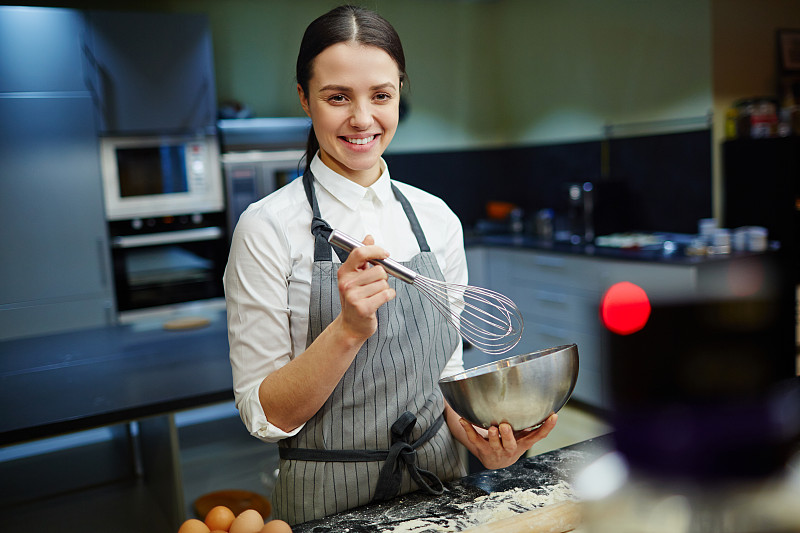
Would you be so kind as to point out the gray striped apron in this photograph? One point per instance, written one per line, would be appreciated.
(381, 432)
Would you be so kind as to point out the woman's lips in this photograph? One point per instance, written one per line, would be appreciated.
(360, 143)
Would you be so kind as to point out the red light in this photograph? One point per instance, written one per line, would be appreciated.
(625, 308)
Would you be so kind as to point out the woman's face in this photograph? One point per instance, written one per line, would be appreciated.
(353, 101)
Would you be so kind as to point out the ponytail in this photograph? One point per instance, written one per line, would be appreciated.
(312, 146)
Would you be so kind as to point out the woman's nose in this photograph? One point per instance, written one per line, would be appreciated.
(361, 117)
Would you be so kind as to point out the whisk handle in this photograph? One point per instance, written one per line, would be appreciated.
(348, 244)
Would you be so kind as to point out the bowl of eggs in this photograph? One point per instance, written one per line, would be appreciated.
(221, 519)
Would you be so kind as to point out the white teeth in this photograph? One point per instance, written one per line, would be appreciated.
(365, 140)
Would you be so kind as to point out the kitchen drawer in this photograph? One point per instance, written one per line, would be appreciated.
(551, 305)
(515, 267)
(659, 281)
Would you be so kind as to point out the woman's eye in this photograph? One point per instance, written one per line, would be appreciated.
(336, 98)
(383, 97)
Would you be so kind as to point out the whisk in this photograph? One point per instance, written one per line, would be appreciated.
(486, 319)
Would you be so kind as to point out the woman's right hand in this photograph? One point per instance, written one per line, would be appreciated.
(292, 394)
(363, 288)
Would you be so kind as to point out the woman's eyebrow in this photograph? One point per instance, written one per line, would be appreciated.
(335, 88)
(344, 88)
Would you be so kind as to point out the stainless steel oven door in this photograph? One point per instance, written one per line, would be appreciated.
(157, 269)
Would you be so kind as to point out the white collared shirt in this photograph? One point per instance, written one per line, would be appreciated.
(268, 276)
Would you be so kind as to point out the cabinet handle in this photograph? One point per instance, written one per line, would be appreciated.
(168, 237)
(550, 297)
(95, 74)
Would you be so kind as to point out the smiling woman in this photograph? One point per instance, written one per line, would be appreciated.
(354, 115)
(332, 358)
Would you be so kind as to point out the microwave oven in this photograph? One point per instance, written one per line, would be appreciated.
(160, 176)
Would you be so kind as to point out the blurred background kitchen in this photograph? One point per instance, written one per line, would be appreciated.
(581, 143)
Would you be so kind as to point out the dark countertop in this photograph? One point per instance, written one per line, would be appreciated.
(650, 254)
(87, 378)
(532, 473)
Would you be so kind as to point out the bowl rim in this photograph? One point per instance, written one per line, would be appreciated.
(507, 362)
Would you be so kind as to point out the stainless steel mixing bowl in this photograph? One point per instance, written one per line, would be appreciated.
(522, 390)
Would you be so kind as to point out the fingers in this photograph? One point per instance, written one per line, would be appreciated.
(360, 258)
(538, 434)
(363, 288)
(507, 437)
(356, 274)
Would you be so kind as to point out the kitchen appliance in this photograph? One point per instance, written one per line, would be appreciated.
(487, 319)
(259, 155)
(160, 176)
(592, 209)
(165, 212)
(252, 175)
(522, 390)
(161, 261)
(580, 207)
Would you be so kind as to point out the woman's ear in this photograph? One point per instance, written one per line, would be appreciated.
(303, 100)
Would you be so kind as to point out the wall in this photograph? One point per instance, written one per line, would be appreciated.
(490, 73)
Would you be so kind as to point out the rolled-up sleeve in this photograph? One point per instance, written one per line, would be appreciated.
(256, 293)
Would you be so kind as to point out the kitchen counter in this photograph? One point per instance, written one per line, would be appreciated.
(100, 376)
(538, 473)
(68, 382)
(651, 253)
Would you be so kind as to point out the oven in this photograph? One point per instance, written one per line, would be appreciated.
(165, 211)
(161, 261)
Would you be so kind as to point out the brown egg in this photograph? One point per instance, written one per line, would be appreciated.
(220, 518)
(276, 526)
(193, 525)
(249, 521)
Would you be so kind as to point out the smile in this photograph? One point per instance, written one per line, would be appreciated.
(365, 140)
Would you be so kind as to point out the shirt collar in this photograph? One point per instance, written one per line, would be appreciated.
(348, 192)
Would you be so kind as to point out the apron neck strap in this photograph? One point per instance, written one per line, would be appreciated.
(322, 230)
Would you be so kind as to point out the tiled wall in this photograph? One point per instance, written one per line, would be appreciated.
(667, 178)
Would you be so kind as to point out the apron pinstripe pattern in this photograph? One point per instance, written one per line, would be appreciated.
(395, 371)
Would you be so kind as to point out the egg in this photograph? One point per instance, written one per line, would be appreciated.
(193, 525)
(249, 521)
(219, 518)
(276, 526)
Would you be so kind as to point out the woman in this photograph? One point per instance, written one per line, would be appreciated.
(332, 358)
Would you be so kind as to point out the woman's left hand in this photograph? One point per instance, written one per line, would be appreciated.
(499, 447)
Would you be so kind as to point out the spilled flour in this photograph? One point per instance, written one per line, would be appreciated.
(489, 508)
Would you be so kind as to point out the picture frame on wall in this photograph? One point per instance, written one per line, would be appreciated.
(789, 51)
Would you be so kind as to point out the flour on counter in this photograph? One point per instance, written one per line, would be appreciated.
(489, 508)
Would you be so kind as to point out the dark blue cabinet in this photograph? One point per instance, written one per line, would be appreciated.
(55, 270)
(151, 72)
(40, 50)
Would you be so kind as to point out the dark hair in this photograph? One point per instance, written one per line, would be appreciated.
(344, 24)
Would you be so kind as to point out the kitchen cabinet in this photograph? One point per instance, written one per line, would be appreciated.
(40, 50)
(56, 273)
(762, 188)
(559, 297)
(151, 72)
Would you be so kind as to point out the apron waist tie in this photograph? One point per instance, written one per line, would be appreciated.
(403, 452)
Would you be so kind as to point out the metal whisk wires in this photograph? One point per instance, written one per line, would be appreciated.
(488, 320)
